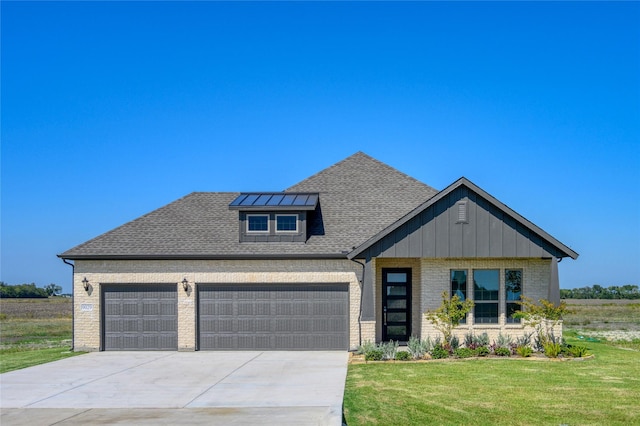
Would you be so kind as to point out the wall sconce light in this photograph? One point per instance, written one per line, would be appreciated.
(185, 284)
(85, 284)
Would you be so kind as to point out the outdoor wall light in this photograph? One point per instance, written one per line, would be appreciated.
(85, 284)
(185, 284)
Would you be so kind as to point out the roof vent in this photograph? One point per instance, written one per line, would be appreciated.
(462, 212)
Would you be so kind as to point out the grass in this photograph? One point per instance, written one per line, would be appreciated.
(34, 331)
(603, 315)
(17, 358)
(511, 391)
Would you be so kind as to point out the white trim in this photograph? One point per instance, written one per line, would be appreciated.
(256, 215)
(288, 231)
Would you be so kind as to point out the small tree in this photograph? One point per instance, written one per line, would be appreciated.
(449, 314)
(542, 316)
(53, 289)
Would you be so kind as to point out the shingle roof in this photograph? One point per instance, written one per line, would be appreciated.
(359, 197)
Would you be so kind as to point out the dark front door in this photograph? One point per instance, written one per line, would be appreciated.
(396, 304)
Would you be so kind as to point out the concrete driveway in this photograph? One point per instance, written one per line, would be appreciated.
(178, 388)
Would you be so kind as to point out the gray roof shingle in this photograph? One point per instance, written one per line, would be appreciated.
(359, 197)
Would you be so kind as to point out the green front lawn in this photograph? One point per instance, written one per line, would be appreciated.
(604, 390)
(17, 358)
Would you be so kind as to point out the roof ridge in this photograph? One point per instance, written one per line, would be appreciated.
(361, 154)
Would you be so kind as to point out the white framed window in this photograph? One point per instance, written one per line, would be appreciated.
(257, 223)
(286, 223)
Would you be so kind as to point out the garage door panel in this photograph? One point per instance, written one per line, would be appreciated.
(140, 317)
(272, 316)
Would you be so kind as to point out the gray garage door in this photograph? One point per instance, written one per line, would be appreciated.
(140, 317)
(273, 317)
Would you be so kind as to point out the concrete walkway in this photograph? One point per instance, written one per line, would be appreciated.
(235, 388)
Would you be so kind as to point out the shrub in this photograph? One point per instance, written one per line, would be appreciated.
(418, 348)
(502, 351)
(543, 317)
(524, 351)
(373, 355)
(449, 314)
(365, 347)
(469, 340)
(403, 356)
(578, 351)
(389, 349)
(504, 341)
(482, 351)
(464, 352)
(455, 343)
(552, 350)
(482, 340)
(439, 352)
(524, 340)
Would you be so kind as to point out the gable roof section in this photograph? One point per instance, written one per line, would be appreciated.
(538, 233)
(358, 197)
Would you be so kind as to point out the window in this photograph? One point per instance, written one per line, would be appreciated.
(257, 223)
(513, 292)
(459, 287)
(486, 287)
(287, 223)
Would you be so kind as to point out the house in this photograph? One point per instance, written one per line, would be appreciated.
(357, 252)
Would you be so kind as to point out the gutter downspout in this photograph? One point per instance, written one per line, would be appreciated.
(360, 309)
(73, 307)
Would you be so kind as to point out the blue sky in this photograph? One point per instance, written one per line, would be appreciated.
(111, 110)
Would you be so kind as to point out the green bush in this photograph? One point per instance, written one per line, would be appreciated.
(455, 342)
(482, 351)
(524, 340)
(504, 341)
(578, 351)
(464, 352)
(365, 347)
(403, 356)
(389, 349)
(373, 355)
(482, 340)
(418, 348)
(552, 350)
(501, 351)
(439, 352)
(524, 351)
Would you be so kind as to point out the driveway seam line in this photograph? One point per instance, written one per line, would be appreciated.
(216, 383)
(95, 380)
(70, 417)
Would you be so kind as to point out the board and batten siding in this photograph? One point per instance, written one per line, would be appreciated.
(437, 232)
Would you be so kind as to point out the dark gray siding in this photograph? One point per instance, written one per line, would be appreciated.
(437, 233)
(272, 236)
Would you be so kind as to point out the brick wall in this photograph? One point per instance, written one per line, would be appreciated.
(435, 279)
(87, 304)
(430, 277)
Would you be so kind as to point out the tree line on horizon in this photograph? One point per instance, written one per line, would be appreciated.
(28, 291)
(628, 291)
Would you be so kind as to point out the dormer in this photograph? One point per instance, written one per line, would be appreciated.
(274, 216)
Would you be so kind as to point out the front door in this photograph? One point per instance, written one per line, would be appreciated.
(396, 304)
